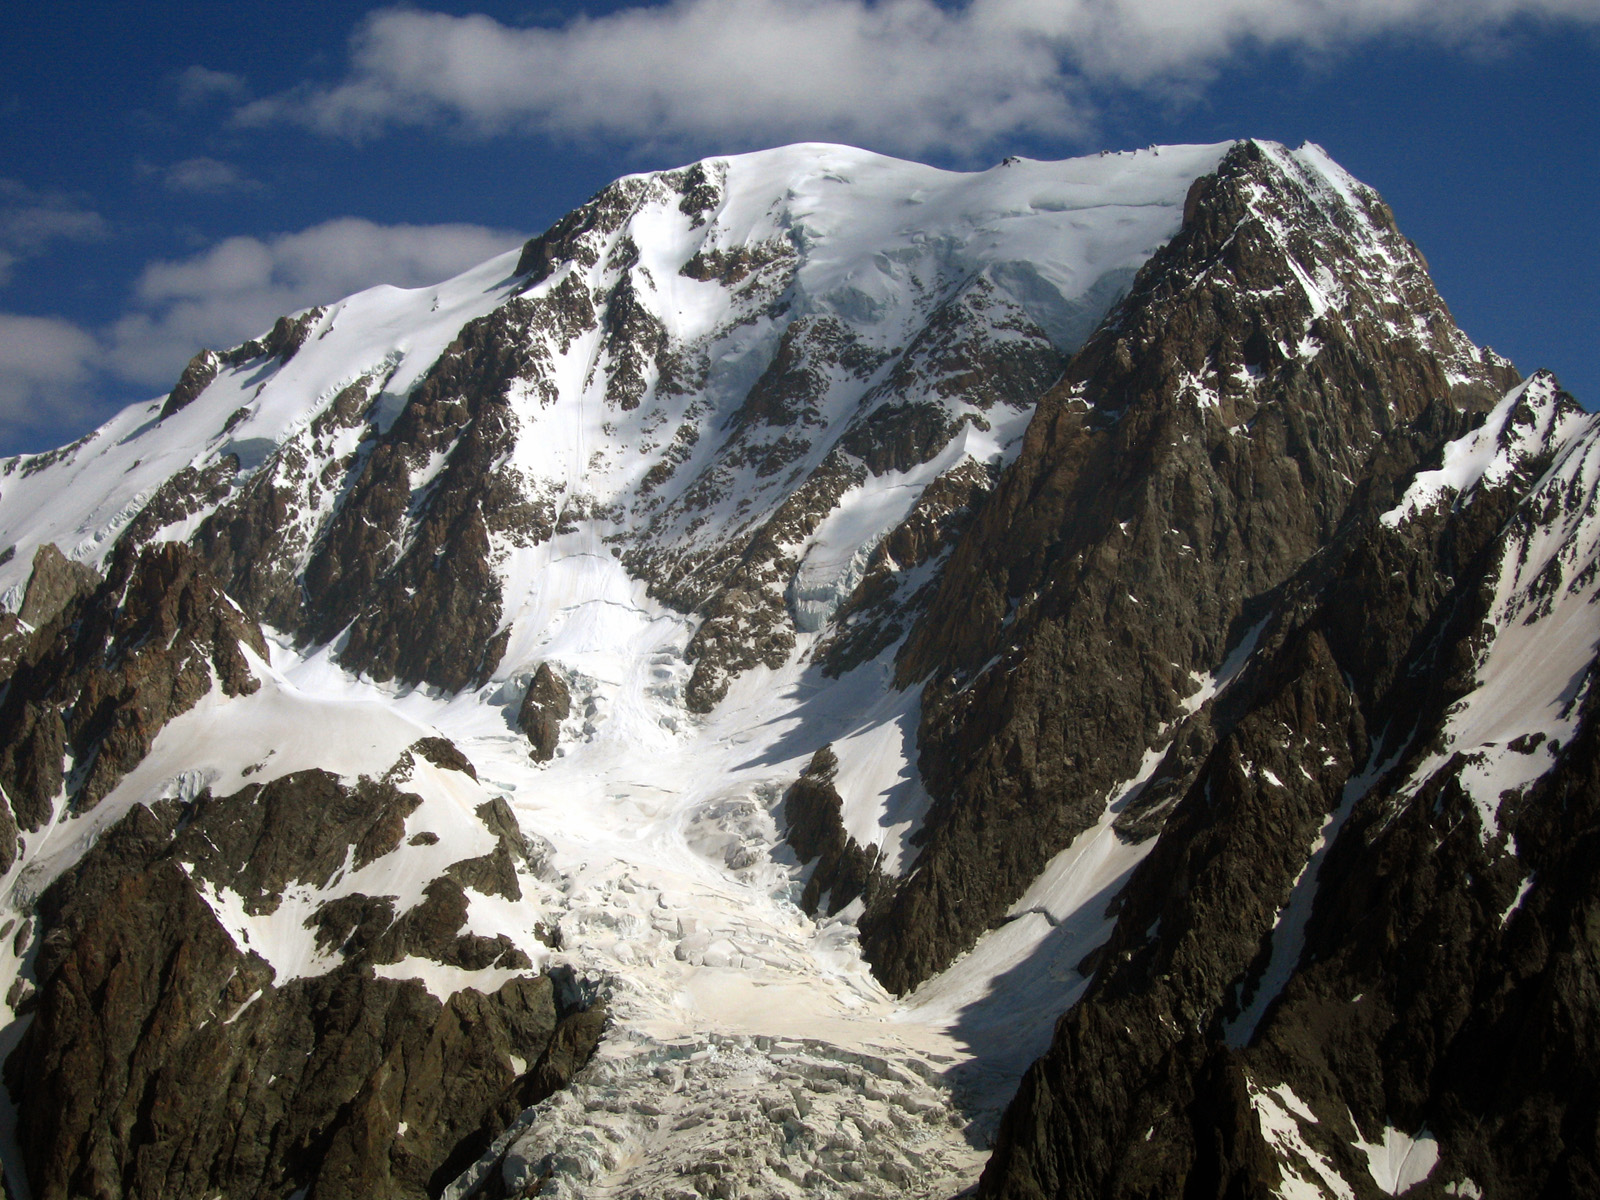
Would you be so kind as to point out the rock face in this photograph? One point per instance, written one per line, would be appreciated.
(165, 1060)
(1204, 445)
(56, 582)
(844, 871)
(1318, 968)
(109, 669)
(545, 704)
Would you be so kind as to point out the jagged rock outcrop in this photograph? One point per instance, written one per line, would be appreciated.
(812, 813)
(152, 1020)
(257, 539)
(890, 596)
(977, 350)
(410, 547)
(1358, 975)
(546, 703)
(109, 670)
(56, 582)
(282, 342)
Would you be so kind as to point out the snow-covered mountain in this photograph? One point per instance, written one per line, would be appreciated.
(685, 708)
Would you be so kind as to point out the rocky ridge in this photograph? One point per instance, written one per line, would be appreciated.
(1204, 445)
(1322, 956)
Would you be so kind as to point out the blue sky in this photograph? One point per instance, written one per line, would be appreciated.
(175, 175)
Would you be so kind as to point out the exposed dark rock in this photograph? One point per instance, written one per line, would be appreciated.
(729, 267)
(813, 816)
(111, 669)
(794, 382)
(699, 190)
(976, 350)
(579, 236)
(197, 376)
(56, 582)
(32, 464)
(10, 839)
(572, 1046)
(1186, 465)
(190, 491)
(288, 334)
(253, 540)
(545, 704)
(635, 343)
(576, 1037)
(349, 925)
(1212, 887)
(746, 620)
(397, 558)
(137, 1085)
(1434, 989)
(879, 609)
(14, 640)
(979, 348)
(1205, 477)
(442, 752)
(393, 555)
(493, 874)
(282, 342)
(897, 437)
(165, 1061)
(299, 828)
(432, 930)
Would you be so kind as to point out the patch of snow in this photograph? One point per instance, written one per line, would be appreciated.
(1400, 1161)
(1516, 901)
(1306, 1172)
(1003, 996)
(1487, 455)
(1220, 680)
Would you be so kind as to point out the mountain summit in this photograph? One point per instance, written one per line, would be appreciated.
(706, 704)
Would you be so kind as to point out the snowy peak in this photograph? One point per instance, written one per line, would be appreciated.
(1519, 437)
(816, 633)
(696, 367)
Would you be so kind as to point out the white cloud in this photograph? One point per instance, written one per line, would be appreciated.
(237, 288)
(30, 220)
(45, 364)
(198, 84)
(207, 177)
(58, 378)
(907, 74)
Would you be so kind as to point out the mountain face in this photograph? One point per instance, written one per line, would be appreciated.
(821, 676)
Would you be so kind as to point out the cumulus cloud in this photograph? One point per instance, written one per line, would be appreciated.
(197, 85)
(237, 288)
(58, 378)
(45, 365)
(207, 177)
(30, 220)
(908, 74)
